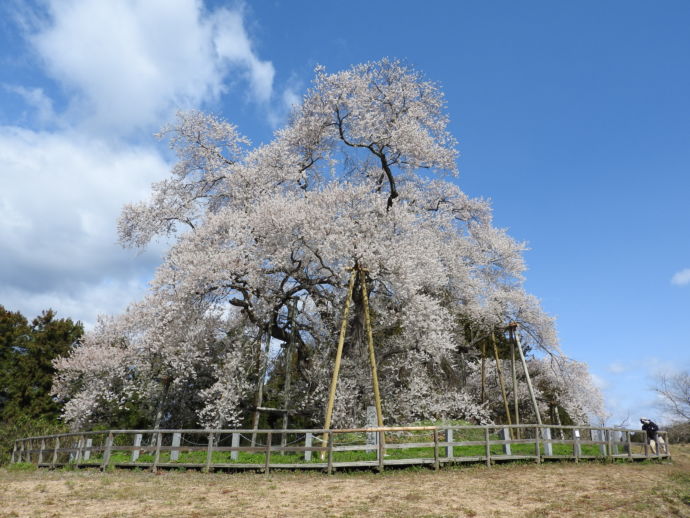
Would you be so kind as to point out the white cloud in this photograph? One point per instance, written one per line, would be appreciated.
(125, 66)
(81, 301)
(617, 368)
(289, 100)
(681, 278)
(232, 43)
(128, 64)
(37, 100)
(61, 196)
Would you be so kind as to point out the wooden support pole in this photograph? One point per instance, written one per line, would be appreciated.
(515, 389)
(513, 331)
(263, 365)
(292, 310)
(338, 358)
(481, 398)
(500, 379)
(370, 341)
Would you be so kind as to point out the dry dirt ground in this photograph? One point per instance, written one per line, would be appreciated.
(553, 489)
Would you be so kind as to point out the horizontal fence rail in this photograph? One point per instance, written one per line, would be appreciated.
(373, 448)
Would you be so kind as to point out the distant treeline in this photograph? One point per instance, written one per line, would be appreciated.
(27, 350)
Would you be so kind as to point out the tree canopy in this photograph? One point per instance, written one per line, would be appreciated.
(361, 175)
(26, 370)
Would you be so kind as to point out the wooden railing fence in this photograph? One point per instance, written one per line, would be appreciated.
(374, 448)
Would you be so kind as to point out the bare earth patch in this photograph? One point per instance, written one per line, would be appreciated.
(553, 489)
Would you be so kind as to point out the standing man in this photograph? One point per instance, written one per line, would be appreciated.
(651, 428)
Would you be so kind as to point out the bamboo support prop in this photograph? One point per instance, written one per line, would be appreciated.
(338, 357)
(361, 272)
(481, 398)
(372, 355)
(512, 329)
(515, 389)
(263, 364)
(500, 379)
(288, 369)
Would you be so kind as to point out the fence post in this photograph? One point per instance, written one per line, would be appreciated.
(27, 450)
(505, 436)
(330, 453)
(436, 461)
(601, 437)
(307, 444)
(14, 452)
(175, 454)
(537, 444)
(667, 446)
(106, 452)
(269, 438)
(487, 447)
(80, 446)
(137, 443)
(372, 422)
(548, 445)
(72, 450)
(209, 452)
(381, 449)
(577, 451)
(609, 444)
(234, 454)
(55, 452)
(627, 433)
(87, 450)
(449, 448)
(40, 453)
(157, 453)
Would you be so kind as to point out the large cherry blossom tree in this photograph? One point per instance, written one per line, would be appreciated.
(362, 175)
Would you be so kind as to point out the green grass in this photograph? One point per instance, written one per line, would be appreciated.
(199, 457)
(21, 466)
(358, 439)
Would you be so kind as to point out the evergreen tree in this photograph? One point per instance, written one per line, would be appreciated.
(26, 369)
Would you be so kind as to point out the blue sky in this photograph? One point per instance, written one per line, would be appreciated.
(572, 117)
